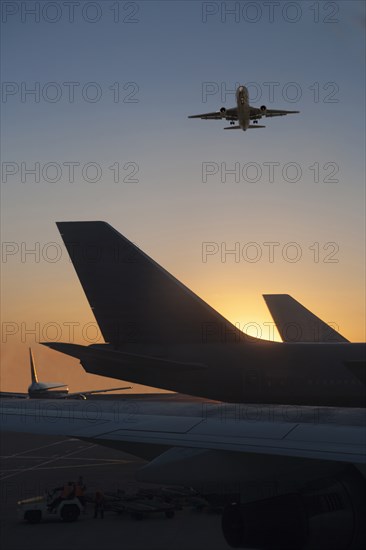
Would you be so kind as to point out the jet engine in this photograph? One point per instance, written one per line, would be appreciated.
(81, 396)
(222, 110)
(327, 514)
(263, 108)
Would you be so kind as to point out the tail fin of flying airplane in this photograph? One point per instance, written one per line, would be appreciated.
(134, 299)
(33, 367)
(295, 323)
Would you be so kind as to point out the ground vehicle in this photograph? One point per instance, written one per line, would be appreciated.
(35, 509)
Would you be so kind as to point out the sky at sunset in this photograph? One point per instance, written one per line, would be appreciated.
(95, 101)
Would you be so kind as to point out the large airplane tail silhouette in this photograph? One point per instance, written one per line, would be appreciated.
(159, 333)
(135, 300)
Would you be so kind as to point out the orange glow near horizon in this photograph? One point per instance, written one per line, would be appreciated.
(74, 322)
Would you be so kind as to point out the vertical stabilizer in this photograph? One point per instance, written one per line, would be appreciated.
(295, 323)
(134, 299)
(33, 367)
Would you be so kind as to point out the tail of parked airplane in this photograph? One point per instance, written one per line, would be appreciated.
(33, 367)
(161, 334)
(295, 323)
(134, 299)
(37, 386)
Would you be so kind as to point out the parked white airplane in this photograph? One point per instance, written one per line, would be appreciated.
(51, 390)
(243, 113)
(161, 334)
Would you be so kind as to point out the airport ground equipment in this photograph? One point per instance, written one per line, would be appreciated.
(138, 506)
(34, 510)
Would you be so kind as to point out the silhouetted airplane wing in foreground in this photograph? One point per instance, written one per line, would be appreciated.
(309, 472)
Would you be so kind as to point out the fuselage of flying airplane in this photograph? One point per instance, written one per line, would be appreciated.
(242, 103)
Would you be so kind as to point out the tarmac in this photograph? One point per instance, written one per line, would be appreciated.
(31, 464)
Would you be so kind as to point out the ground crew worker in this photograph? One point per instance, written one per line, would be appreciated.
(80, 491)
(99, 504)
(68, 491)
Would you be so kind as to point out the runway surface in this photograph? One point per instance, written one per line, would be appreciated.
(31, 464)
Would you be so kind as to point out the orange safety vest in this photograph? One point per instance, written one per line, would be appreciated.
(67, 490)
(79, 491)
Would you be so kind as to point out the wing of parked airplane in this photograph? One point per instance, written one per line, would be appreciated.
(92, 392)
(307, 440)
(295, 323)
(311, 473)
(13, 395)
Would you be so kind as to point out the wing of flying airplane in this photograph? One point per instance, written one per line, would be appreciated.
(258, 113)
(295, 323)
(232, 114)
(228, 114)
(307, 472)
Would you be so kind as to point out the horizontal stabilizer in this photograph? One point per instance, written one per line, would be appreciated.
(256, 126)
(51, 385)
(104, 352)
(232, 128)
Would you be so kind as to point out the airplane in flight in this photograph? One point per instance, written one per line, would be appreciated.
(51, 390)
(243, 113)
(159, 333)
